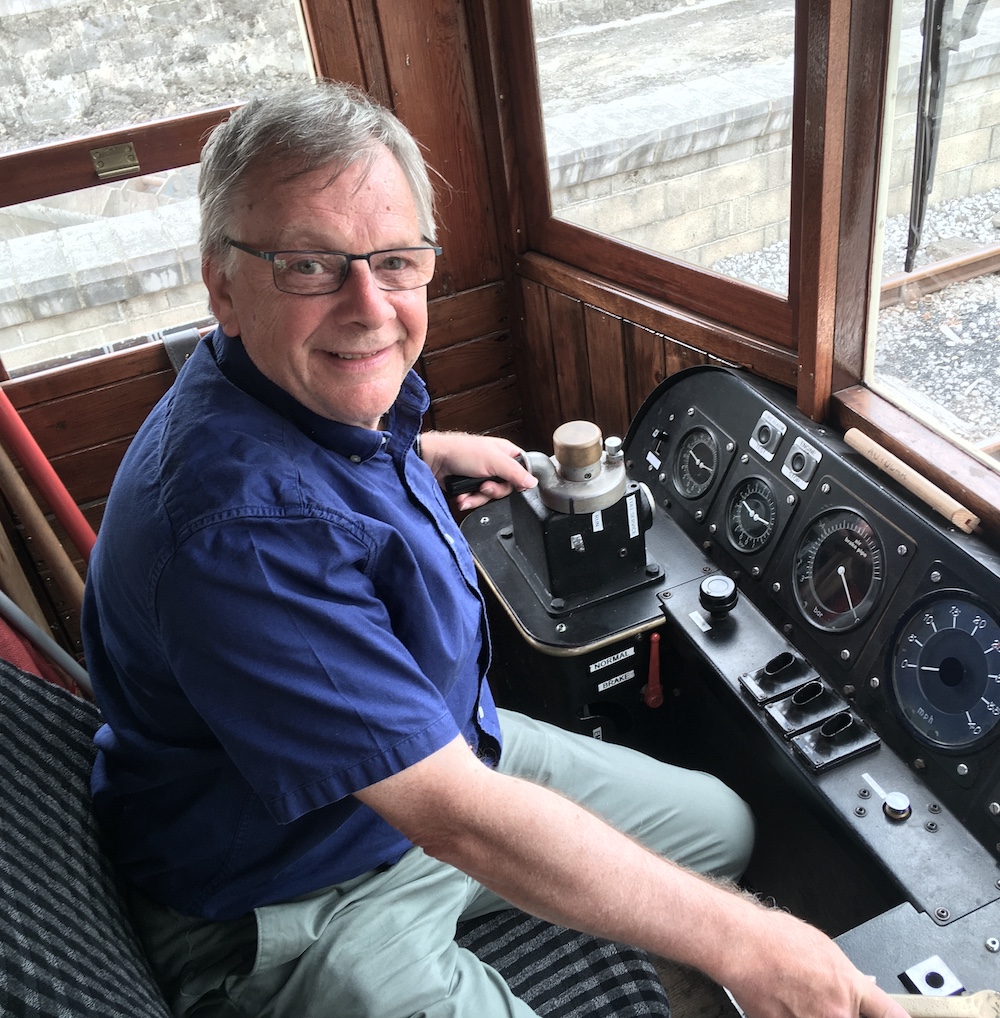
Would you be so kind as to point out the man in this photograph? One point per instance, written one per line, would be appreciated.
(303, 776)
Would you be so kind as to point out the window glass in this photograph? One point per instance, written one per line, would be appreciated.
(70, 68)
(668, 125)
(99, 269)
(118, 264)
(934, 322)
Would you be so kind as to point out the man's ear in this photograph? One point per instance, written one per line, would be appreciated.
(220, 299)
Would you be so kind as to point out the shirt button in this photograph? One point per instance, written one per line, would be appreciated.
(482, 713)
(355, 458)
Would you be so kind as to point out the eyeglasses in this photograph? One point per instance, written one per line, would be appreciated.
(316, 272)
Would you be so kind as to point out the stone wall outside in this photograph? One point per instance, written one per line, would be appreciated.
(700, 171)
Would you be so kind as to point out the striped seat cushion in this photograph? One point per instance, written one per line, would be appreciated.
(564, 974)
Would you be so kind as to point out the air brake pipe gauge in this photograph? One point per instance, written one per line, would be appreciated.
(839, 570)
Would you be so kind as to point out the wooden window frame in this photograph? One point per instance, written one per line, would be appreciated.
(841, 52)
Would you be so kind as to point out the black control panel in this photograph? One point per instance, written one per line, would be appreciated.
(799, 624)
(864, 648)
(895, 613)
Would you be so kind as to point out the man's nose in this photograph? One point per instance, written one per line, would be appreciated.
(362, 292)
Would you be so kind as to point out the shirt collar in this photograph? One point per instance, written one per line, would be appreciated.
(358, 444)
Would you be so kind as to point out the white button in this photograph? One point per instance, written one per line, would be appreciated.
(482, 713)
(355, 458)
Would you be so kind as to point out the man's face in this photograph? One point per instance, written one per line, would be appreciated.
(343, 355)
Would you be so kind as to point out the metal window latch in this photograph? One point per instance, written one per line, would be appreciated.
(115, 161)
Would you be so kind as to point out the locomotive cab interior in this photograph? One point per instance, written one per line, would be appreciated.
(745, 554)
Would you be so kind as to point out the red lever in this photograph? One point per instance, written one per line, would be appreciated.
(653, 694)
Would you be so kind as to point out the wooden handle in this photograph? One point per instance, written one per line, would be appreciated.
(982, 1004)
(49, 547)
(940, 501)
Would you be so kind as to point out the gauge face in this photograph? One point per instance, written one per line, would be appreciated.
(839, 570)
(752, 514)
(696, 462)
(946, 671)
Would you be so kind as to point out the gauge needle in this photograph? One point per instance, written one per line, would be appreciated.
(698, 462)
(842, 573)
(752, 514)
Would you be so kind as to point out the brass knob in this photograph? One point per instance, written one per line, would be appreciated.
(577, 445)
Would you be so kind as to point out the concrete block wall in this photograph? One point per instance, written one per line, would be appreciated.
(94, 269)
(72, 67)
(701, 171)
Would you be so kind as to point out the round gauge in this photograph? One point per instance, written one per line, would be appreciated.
(946, 671)
(752, 514)
(838, 570)
(696, 462)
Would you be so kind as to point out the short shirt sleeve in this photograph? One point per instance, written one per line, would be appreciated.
(285, 635)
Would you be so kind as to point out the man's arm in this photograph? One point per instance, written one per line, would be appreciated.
(455, 452)
(555, 860)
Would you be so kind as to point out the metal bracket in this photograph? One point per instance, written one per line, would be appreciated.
(115, 161)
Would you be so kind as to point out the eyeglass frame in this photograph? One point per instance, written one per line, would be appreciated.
(270, 256)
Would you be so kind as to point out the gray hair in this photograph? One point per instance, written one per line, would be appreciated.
(306, 128)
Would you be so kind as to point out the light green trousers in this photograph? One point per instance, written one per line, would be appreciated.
(382, 945)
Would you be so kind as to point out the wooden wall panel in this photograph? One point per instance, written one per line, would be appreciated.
(605, 366)
(646, 359)
(476, 312)
(469, 365)
(567, 329)
(95, 416)
(542, 406)
(426, 53)
(480, 410)
(606, 357)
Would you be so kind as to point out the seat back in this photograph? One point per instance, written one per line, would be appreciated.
(67, 947)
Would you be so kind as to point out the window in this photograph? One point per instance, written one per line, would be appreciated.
(86, 269)
(935, 332)
(661, 133)
(670, 129)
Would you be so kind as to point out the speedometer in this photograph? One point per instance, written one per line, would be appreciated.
(838, 570)
(946, 670)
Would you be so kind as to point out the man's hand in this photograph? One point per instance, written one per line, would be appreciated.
(455, 452)
(789, 969)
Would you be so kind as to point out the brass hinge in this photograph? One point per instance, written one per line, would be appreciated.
(115, 161)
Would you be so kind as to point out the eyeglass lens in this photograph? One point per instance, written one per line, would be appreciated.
(325, 272)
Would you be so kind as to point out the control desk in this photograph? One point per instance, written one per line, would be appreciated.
(744, 593)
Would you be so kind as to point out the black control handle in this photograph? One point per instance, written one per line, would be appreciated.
(459, 484)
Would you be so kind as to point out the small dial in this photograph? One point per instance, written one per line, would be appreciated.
(838, 570)
(946, 671)
(752, 514)
(696, 462)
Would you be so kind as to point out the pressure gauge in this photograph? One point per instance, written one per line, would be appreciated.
(946, 671)
(838, 570)
(752, 514)
(696, 462)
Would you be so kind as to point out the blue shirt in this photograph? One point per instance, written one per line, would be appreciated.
(280, 611)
